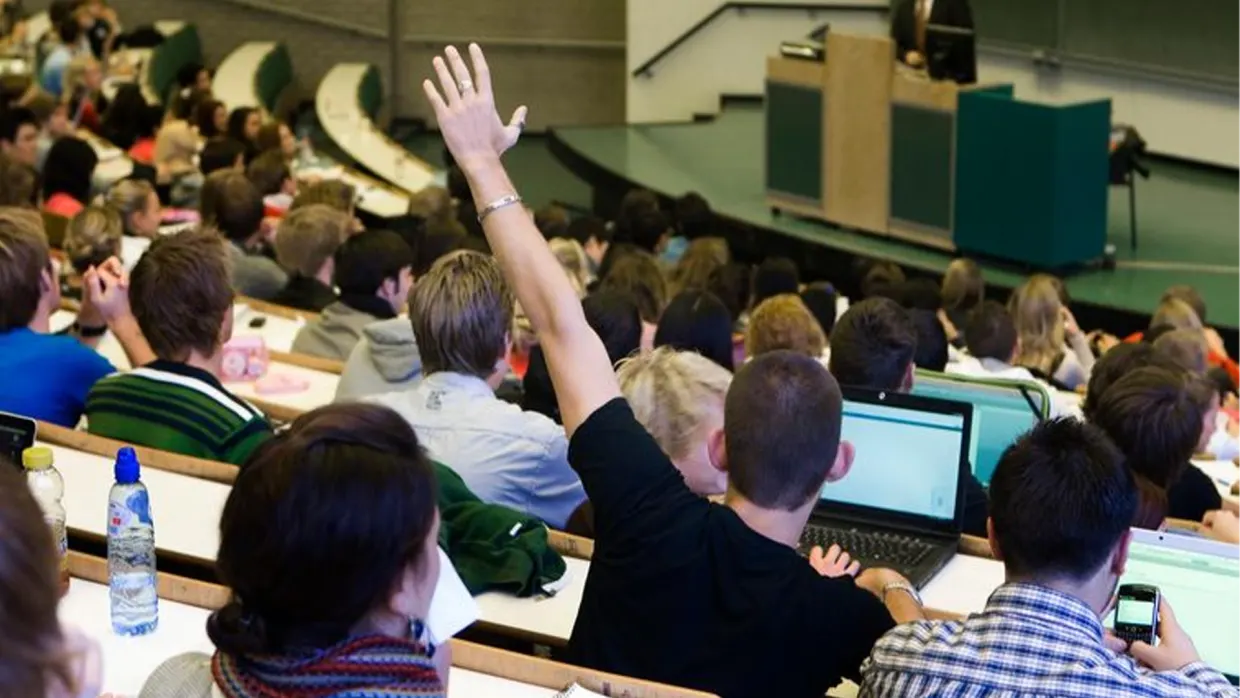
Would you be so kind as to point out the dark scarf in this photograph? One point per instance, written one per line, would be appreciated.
(368, 303)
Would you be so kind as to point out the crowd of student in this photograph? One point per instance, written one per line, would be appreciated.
(628, 381)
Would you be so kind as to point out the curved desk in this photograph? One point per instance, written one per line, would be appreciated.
(253, 75)
(181, 47)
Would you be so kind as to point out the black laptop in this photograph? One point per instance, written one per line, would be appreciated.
(902, 504)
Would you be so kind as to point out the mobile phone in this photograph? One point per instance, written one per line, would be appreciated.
(1136, 613)
(16, 435)
(257, 322)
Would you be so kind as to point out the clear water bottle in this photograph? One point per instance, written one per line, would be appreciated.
(48, 488)
(131, 551)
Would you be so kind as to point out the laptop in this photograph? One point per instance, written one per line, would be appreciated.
(902, 504)
(1201, 579)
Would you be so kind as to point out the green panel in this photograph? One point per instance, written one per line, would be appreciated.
(370, 92)
(921, 165)
(794, 140)
(1023, 23)
(167, 59)
(274, 74)
(1082, 174)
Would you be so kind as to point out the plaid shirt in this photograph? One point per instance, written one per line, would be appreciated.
(1030, 641)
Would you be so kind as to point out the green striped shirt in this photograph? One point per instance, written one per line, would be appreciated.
(176, 407)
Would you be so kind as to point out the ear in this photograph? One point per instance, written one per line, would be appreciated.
(993, 540)
(226, 328)
(717, 451)
(843, 462)
(1119, 561)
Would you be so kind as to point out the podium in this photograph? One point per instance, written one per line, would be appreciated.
(865, 143)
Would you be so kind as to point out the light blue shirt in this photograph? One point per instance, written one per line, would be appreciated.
(53, 72)
(505, 455)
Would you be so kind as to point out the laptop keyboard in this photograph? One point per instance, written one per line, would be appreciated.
(888, 548)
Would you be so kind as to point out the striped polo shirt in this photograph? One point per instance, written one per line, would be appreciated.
(176, 407)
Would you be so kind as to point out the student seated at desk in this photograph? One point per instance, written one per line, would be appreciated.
(962, 291)
(783, 323)
(1171, 314)
(461, 312)
(83, 82)
(306, 243)
(697, 321)
(274, 180)
(221, 153)
(211, 120)
(176, 147)
(19, 135)
(231, 203)
(1190, 350)
(19, 184)
(681, 590)
(70, 45)
(277, 136)
(1052, 345)
(67, 176)
(184, 306)
(1063, 501)
(373, 271)
(48, 376)
(336, 604)
(141, 213)
(635, 271)
(873, 347)
(42, 658)
(91, 238)
(243, 126)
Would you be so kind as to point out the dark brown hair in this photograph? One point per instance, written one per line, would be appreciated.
(19, 183)
(181, 293)
(23, 259)
(230, 202)
(335, 193)
(638, 273)
(268, 172)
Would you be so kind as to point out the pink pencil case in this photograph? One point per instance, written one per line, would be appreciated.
(280, 383)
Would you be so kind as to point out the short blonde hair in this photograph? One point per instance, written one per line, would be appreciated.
(93, 236)
(129, 196)
(670, 393)
(784, 322)
(309, 236)
(572, 256)
(462, 314)
(75, 72)
(1176, 313)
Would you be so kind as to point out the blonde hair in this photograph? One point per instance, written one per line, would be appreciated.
(701, 259)
(175, 148)
(462, 313)
(670, 393)
(1174, 312)
(129, 196)
(309, 236)
(1186, 347)
(963, 286)
(1037, 312)
(784, 322)
(572, 256)
(431, 204)
(75, 73)
(93, 236)
(336, 193)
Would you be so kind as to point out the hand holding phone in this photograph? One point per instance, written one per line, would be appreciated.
(1136, 613)
(1175, 648)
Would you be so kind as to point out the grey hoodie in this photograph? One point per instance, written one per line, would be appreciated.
(385, 360)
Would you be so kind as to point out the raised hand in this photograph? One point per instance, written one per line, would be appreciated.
(464, 106)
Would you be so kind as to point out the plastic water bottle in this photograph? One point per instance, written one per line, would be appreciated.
(131, 551)
(48, 488)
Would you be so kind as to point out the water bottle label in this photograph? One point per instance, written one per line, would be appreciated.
(134, 512)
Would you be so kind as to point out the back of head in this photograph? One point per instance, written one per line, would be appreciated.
(783, 323)
(431, 247)
(11, 121)
(782, 429)
(634, 203)
(1155, 417)
(336, 193)
(1187, 348)
(1036, 310)
(129, 196)
(310, 236)
(431, 204)
(19, 183)
(181, 294)
(820, 298)
(920, 293)
(175, 145)
(24, 257)
(92, 237)
(671, 393)
(731, 284)
(34, 661)
(572, 258)
(368, 259)
(1121, 360)
(882, 279)
(68, 168)
(963, 286)
(694, 218)
(703, 256)
(1176, 314)
(647, 229)
(587, 227)
(697, 321)
(269, 172)
(774, 276)
(42, 106)
(231, 203)
(873, 345)
(990, 332)
(220, 154)
(614, 317)
(308, 586)
(1060, 499)
(462, 312)
(931, 351)
(269, 137)
(638, 273)
(1190, 295)
(552, 221)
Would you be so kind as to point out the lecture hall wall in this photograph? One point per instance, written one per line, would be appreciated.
(728, 58)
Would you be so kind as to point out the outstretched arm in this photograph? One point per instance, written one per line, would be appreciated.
(465, 108)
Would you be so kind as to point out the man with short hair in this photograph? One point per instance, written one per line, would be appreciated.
(681, 590)
(306, 244)
(872, 346)
(1063, 499)
(373, 271)
(274, 180)
(461, 311)
(19, 135)
(184, 305)
(220, 154)
(232, 203)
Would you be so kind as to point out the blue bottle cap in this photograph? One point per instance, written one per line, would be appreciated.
(127, 469)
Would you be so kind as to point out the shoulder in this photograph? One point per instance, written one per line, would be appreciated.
(183, 676)
(68, 352)
(905, 643)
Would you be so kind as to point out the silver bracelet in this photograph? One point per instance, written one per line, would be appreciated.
(904, 587)
(501, 202)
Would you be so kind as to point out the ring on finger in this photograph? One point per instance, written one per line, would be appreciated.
(465, 85)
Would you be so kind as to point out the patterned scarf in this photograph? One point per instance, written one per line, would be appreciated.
(365, 667)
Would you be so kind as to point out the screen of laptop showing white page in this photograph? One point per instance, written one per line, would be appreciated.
(1201, 579)
(906, 461)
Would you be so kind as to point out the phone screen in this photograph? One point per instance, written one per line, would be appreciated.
(16, 435)
(1135, 612)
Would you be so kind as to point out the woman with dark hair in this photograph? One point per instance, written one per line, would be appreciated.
(324, 597)
(211, 118)
(697, 321)
(67, 175)
(277, 136)
(125, 117)
(244, 124)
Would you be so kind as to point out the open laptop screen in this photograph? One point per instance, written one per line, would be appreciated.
(908, 455)
(1201, 579)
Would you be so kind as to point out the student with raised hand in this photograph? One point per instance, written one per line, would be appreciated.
(338, 603)
(461, 312)
(683, 591)
(873, 346)
(175, 402)
(1063, 501)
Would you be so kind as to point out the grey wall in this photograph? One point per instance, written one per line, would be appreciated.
(563, 58)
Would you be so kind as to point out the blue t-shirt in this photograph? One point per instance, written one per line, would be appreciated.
(47, 376)
(51, 77)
